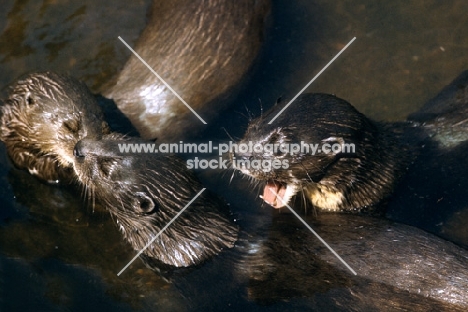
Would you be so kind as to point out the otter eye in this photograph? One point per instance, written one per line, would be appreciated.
(274, 138)
(72, 125)
(280, 151)
(30, 100)
(145, 203)
(335, 144)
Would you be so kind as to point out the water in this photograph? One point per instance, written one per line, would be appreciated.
(58, 253)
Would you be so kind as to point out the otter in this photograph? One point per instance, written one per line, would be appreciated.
(52, 125)
(332, 179)
(371, 157)
(397, 265)
(143, 192)
(201, 49)
(43, 118)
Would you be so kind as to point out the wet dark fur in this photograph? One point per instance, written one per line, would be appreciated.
(145, 191)
(445, 117)
(201, 48)
(43, 118)
(363, 178)
(398, 266)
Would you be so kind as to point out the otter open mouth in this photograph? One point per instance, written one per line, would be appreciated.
(274, 189)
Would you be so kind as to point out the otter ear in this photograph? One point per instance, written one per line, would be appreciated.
(279, 100)
(144, 204)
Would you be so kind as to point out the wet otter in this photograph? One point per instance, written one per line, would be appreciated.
(331, 179)
(397, 265)
(144, 192)
(201, 51)
(43, 118)
(337, 179)
(445, 116)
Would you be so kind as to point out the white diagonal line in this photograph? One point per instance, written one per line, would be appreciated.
(315, 233)
(313, 79)
(165, 83)
(162, 230)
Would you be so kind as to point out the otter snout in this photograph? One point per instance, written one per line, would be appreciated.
(79, 150)
(82, 149)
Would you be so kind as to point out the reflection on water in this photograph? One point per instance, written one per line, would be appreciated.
(66, 255)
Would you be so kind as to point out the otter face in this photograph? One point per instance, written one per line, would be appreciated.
(318, 146)
(43, 118)
(144, 192)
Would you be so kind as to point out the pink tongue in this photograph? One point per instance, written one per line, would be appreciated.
(271, 190)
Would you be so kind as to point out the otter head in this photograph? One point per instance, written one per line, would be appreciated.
(144, 192)
(43, 118)
(322, 146)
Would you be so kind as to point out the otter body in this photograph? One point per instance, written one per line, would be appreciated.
(144, 192)
(398, 266)
(43, 118)
(201, 49)
(444, 117)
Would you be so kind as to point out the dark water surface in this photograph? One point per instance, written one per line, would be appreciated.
(58, 253)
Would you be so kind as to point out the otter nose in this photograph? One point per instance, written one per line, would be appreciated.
(79, 150)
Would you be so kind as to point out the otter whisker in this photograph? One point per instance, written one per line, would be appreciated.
(307, 173)
(227, 133)
(243, 115)
(261, 109)
(232, 176)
